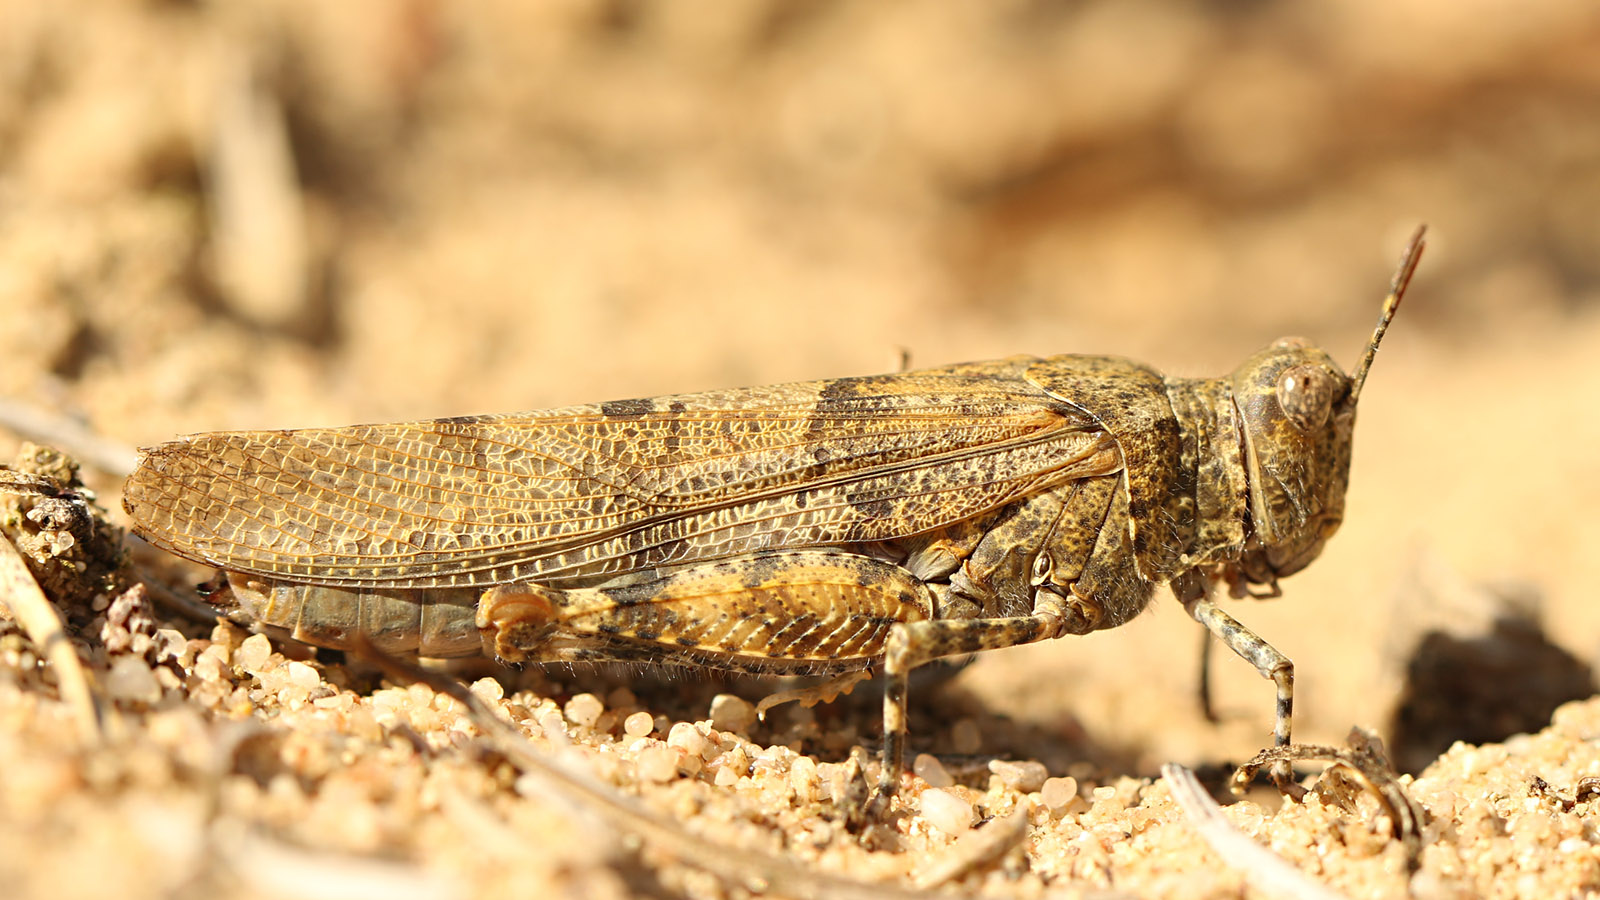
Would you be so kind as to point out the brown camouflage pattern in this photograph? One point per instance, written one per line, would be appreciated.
(820, 526)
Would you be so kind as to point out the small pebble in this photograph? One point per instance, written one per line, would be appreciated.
(734, 763)
(272, 680)
(209, 666)
(388, 699)
(217, 652)
(171, 644)
(640, 724)
(130, 679)
(803, 779)
(930, 769)
(687, 738)
(252, 655)
(1027, 776)
(1056, 793)
(488, 690)
(731, 713)
(583, 709)
(1106, 802)
(303, 676)
(551, 725)
(945, 811)
(658, 763)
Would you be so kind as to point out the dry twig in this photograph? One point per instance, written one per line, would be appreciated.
(39, 620)
(1264, 870)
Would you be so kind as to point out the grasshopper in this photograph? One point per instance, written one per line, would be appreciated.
(822, 527)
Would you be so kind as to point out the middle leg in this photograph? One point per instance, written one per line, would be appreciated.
(912, 644)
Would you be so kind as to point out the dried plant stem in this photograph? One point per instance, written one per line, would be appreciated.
(1266, 871)
(39, 620)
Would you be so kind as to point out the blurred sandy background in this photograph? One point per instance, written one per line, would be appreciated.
(272, 214)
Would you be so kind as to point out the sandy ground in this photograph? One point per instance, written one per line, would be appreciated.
(273, 214)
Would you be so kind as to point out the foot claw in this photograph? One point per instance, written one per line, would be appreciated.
(1282, 775)
(864, 805)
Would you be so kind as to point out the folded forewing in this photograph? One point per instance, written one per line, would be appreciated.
(580, 494)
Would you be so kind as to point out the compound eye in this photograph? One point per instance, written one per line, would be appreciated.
(1305, 394)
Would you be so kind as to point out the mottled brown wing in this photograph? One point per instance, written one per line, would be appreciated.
(578, 495)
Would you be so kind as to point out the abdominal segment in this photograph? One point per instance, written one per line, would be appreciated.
(434, 622)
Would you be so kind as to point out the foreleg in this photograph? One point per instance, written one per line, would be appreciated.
(1268, 661)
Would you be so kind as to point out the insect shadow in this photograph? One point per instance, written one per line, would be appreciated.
(830, 731)
(1482, 685)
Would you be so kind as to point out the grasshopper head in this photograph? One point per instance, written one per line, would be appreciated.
(1297, 412)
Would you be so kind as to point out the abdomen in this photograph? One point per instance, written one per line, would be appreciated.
(437, 622)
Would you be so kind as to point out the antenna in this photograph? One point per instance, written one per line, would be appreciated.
(1397, 289)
